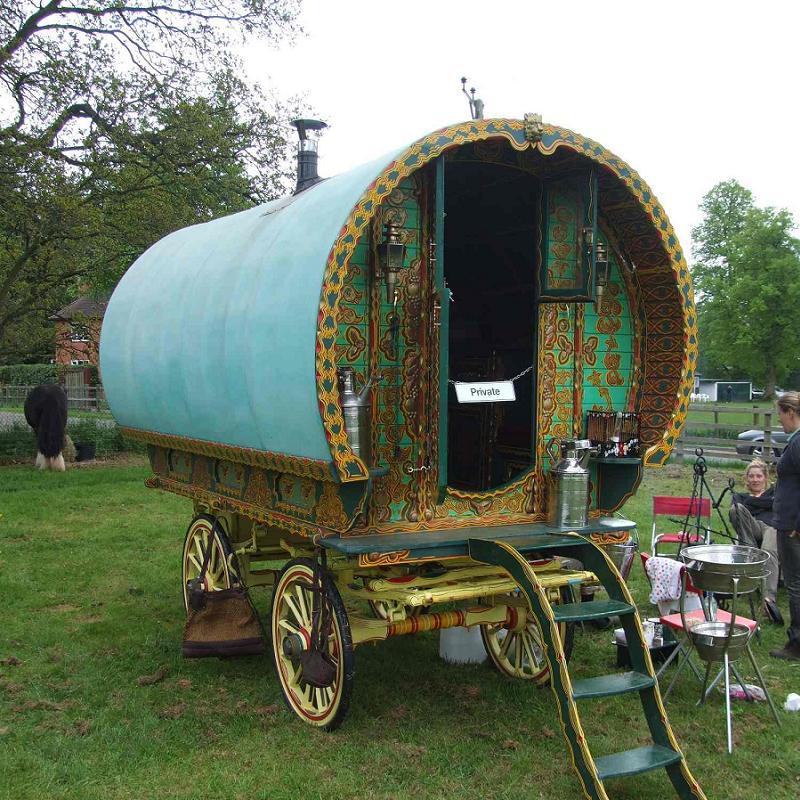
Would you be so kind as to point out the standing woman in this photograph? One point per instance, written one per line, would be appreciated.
(786, 506)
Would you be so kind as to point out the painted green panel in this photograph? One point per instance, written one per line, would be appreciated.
(569, 206)
(598, 397)
(390, 424)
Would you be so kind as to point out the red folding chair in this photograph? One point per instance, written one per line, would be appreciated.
(668, 508)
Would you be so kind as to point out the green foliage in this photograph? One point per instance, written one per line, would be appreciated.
(120, 122)
(17, 441)
(28, 374)
(725, 209)
(748, 281)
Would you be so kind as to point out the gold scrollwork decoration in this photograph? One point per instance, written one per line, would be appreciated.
(252, 512)
(297, 465)
(383, 559)
(330, 509)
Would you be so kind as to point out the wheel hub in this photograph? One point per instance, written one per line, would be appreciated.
(293, 645)
(516, 620)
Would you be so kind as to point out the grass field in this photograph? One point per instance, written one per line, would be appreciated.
(739, 415)
(96, 701)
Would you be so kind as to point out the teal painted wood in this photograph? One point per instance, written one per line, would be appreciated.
(663, 753)
(530, 537)
(211, 334)
(611, 685)
(633, 762)
(578, 612)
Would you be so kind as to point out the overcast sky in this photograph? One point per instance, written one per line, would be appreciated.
(687, 93)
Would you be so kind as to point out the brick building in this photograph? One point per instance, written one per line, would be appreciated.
(77, 338)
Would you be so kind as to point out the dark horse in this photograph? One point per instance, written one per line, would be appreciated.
(46, 412)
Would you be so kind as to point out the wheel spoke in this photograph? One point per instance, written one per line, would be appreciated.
(288, 626)
(506, 644)
(290, 604)
(294, 673)
(533, 662)
(536, 644)
(302, 601)
(195, 563)
(201, 544)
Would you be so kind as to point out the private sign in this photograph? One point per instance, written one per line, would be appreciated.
(496, 392)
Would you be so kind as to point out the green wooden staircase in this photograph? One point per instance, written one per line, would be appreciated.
(664, 752)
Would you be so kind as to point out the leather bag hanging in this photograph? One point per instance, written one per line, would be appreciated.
(223, 623)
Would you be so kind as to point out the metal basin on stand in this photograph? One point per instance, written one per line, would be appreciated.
(712, 640)
(727, 568)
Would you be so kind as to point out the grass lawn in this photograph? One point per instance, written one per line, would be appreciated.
(739, 415)
(89, 581)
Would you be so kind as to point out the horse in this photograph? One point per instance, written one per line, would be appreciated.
(46, 413)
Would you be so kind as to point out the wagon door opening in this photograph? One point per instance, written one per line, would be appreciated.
(490, 241)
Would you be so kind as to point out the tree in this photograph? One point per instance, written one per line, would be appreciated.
(748, 280)
(120, 121)
(724, 210)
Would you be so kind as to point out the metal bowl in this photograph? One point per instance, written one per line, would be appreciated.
(714, 567)
(711, 640)
(622, 554)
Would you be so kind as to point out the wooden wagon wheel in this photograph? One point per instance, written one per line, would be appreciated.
(518, 652)
(292, 606)
(205, 531)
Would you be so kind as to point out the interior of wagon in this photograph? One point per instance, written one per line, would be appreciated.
(490, 261)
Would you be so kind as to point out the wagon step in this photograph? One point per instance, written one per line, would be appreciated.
(634, 762)
(664, 752)
(610, 685)
(598, 609)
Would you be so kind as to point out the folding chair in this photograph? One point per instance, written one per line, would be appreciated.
(673, 622)
(691, 511)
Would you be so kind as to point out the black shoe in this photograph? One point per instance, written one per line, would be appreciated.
(790, 652)
(773, 612)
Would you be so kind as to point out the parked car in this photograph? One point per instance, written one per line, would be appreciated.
(751, 443)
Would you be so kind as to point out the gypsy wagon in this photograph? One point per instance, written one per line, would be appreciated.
(296, 370)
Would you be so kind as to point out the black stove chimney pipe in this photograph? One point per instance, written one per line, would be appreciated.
(307, 155)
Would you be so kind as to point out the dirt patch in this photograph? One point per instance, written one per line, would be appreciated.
(173, 712)
(9, 686)
(149, 680)
(62, 608)
(90, 619)
(42, 705)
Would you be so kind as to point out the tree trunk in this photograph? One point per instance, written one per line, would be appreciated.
(769, 389)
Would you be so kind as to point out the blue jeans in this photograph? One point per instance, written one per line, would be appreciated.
(789, 554)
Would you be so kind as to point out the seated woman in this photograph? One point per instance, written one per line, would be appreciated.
(754, 520)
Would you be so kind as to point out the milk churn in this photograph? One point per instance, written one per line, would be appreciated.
(569, 485)
(356, 409)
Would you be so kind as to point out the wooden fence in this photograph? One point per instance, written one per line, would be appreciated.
(80, 397)
(718, 439)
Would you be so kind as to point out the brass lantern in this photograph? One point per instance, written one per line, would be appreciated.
(391, 255)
